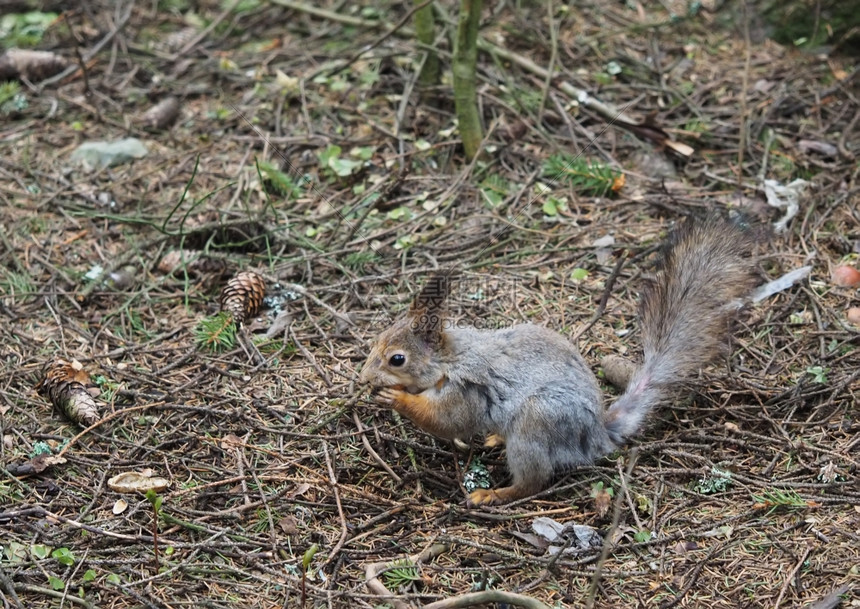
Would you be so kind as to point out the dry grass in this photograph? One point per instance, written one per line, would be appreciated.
(267, 459)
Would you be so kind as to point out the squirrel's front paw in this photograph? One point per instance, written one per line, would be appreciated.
(388, 396)
(482, 496)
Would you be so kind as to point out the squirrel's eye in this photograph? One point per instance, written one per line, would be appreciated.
(397, 360)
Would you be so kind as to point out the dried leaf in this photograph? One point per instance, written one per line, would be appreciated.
(289, 525)
(137, 482)
(280, 325)
(231, 441)
(533, 540)
(301, 489)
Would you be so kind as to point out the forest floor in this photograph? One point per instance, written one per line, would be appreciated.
(304, 149)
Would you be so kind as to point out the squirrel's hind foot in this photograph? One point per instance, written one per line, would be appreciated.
(488, 496)
(494, 440)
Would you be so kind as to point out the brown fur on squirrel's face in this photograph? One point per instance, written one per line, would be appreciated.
(407, 355)
(401, 357)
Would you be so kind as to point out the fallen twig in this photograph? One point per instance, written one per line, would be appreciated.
(487, 596)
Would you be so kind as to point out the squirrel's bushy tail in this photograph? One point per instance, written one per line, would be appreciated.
(684, 314)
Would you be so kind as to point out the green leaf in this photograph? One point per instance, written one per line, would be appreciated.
(578, 274)
(25, 29)
(642, 536)
(89, 575)
(365, 153)
(63, 556)
(493, 197)
(343, 167)
(404, 242)
(309, 556)
(40, 551)
(113, 578)
(56, 583)
(819, 373)
(331, 152)
(15, 552)
(598, 486)
(399, 213)
(549, 207)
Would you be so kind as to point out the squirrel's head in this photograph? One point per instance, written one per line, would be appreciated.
(407, 355)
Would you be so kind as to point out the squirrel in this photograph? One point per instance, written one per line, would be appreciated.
(530, 387)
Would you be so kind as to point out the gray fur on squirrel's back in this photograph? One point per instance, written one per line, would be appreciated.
(555, 397)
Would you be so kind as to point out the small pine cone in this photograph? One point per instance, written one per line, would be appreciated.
(243, 295)
(65, 384)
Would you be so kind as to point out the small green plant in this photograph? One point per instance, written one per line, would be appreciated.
(25, 29)
(553, 205)
(307, 558)
(40, 551)
(527, 100)
(108, 387)
(401, 573)
(598, 487)
(357, 261)
(642, 535)
(494, 189)
(155, 500)
(588, 177)
(775, 499)
(63, 556)
(819, 374)
(17, 285)
(578, 274)
(11, 98)
(216, 333)
(335, 165)
(277, 182)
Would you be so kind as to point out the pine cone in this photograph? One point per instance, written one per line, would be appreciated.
(65, 385)
(243, 295)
